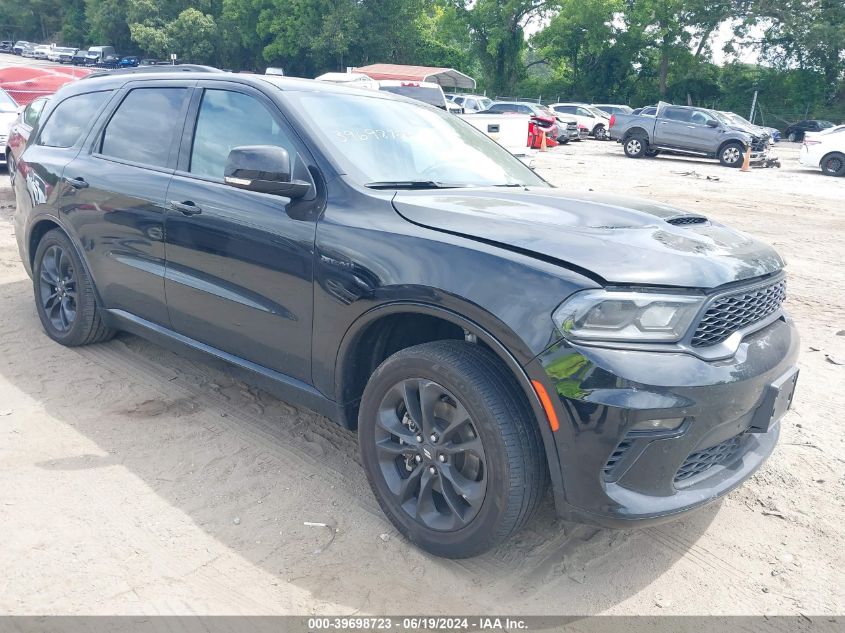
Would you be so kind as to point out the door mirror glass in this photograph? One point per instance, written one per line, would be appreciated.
(712, 123)
(263, 168)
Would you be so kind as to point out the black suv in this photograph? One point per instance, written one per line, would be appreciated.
(388, 266)
(796, 131)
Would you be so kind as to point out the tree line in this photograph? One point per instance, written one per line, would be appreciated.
(626, 51)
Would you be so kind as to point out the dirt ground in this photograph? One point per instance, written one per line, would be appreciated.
(136, 481)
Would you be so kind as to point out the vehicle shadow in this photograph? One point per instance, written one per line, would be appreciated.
(249, 470)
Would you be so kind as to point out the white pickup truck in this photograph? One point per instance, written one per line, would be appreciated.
(508, 130)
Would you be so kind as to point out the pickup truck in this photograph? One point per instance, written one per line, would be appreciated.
(689, 131)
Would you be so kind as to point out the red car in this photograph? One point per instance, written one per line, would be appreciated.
(19, 133)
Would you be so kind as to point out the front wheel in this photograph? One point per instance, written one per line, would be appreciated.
(450, 447)
(833, 164)
(732, 155)
(635, 147)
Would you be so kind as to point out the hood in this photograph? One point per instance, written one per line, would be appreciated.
(621, 240)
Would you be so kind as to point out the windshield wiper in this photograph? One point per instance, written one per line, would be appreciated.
(510, 184)
(410, 184)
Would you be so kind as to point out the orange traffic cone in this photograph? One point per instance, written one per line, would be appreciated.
(746, 158)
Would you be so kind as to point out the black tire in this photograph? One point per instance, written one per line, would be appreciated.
(635, 146)
(10, 168)
(833, 164)
(651, 153)
(73, 317)
(509, 459)
(732, 154)
(792, 137)
(600, 133)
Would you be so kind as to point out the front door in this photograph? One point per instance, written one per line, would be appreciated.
(116, 196)
(239, 263)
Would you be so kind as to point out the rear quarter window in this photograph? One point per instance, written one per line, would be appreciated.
(71, 119)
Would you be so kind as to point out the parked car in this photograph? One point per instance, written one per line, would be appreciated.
(130, 61)
(594, 120)
(688, 131)
(613, 108)
(19, 46)
(646, 111)
(796, 131)
(8, 113)
(28, 51)
(79, 57)
(41, 51)
(23, 123)
(392, 268)
(7, 46)
(62, 54)
(152, 62)
(425, 91)
(826, 150)
(109, 61)
(472, 103)
(545, 118)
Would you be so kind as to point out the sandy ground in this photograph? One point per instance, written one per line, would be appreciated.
(136, 481)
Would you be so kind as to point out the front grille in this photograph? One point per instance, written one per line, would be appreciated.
(687, 219)
(698, 462)
(616, 456)
(738, 310)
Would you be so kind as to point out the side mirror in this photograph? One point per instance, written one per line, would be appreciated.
(712, 123)
(263, 168)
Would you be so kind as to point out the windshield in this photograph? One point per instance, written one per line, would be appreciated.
(7, 104)
(431, 96)
(377, 140)
(483, 104)
(825, 124)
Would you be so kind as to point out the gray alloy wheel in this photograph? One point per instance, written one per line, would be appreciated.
(732, 155)
(600, 133)
(635, 147)
(792, 137)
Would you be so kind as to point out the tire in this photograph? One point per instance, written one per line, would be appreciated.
(600, 133)
(792, 137)
(833, 164)
(10, 168)
(496, 455)
(72, 317)
(652, 153)
(635, 147)
(732, 154)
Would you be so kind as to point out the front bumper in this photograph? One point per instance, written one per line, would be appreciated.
(613, 476)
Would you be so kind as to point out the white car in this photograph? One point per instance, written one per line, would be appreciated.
(42, 51)
(55, 55)
(472, 103)
(425, 91)
(596, 121)
(825, 150)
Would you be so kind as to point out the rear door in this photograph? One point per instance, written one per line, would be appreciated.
(240, 263)
(116, 199)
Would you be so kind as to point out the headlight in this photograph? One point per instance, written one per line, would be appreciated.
(619, 315)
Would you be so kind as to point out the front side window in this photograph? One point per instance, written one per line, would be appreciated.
(700, 117)
(71, 119)
(377, 140)
(143, 129)
(227, 120)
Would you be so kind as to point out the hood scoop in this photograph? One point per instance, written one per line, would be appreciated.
(687, 220)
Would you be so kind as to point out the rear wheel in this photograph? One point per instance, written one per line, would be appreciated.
(450, 447)
(732, 154)
(64, 293)
(833, 164)
(600, 133)
(792, 137)
(636, 147)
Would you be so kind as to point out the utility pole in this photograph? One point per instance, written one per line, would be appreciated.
(753, 106)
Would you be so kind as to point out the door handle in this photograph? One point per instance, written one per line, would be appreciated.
(185, 208)
(77, 183)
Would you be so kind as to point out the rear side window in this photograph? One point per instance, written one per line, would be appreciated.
(677, 114)
(71, 118)
(143, 128)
